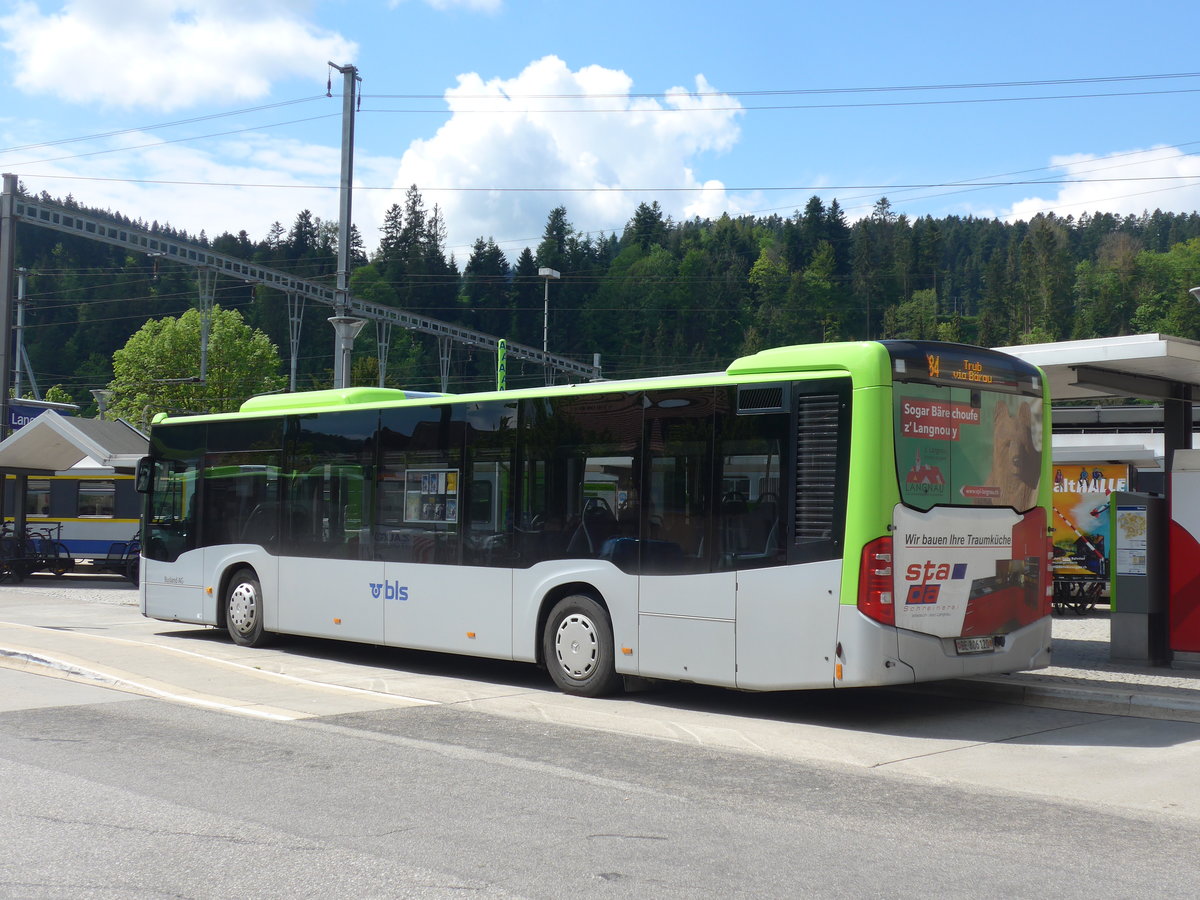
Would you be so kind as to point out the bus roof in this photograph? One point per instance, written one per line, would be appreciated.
(868, 362)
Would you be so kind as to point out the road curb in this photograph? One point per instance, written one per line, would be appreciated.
(1144, 704)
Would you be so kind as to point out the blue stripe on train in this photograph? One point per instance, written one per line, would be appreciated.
(91, 549)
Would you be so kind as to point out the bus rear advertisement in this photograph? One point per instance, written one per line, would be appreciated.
(814, 516)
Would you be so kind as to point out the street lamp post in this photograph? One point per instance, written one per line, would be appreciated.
(102, 397)
(546, 274)
(346, 329)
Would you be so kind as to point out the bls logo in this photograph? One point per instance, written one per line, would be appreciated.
(390, 590)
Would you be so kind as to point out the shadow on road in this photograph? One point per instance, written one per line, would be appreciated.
(898, 712)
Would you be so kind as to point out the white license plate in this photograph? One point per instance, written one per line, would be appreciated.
(975, 645)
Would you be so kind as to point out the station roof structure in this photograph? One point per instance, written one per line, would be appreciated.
(53, 443)
(1147, 366)
(1143, 366)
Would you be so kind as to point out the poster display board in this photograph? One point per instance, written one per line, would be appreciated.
(1081, 517)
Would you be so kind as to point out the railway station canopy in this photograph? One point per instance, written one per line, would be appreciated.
(1142, 365)
(1155, 367)
(53, 443)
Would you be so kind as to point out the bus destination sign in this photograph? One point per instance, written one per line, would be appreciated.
(962, 366)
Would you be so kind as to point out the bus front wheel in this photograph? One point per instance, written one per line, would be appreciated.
(244, 609)
(578, 647)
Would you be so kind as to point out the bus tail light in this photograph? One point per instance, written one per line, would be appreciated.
(875, 598)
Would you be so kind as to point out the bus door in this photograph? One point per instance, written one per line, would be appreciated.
(328, 585)
(172, 573)
(687, 599)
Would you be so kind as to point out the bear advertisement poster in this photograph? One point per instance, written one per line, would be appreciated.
(967, 446)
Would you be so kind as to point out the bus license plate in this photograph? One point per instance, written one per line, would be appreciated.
(975, 645)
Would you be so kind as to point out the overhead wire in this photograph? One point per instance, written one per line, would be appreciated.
(790, 106)
(160, 125)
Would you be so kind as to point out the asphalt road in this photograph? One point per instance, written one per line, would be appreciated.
(487, 783)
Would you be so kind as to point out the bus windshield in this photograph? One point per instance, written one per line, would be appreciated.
(968, 427)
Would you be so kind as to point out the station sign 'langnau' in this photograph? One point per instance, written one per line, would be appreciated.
(26, 411)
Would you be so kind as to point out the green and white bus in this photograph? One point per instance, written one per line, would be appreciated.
(814, 516)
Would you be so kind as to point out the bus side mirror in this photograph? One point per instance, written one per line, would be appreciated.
(141, 480)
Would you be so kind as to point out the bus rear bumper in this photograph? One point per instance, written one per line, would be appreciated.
(933, 658)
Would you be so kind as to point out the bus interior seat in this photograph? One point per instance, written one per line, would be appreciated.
(597, 525)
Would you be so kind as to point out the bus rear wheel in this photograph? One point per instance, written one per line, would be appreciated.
(578, 647)
(244, 609)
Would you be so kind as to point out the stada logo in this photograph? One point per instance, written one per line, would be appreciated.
(389, 590)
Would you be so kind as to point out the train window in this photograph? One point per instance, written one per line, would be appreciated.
(96, 498)
(37, 498)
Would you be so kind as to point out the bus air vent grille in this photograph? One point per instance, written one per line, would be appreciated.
(765, 398)
(816, 467)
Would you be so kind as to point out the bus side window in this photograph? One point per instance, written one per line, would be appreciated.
(751, 519)
(419, 489)
(676, 533)
(172, 506)
(578, 467)
(488, 504)
(330, 484)
(241, 499)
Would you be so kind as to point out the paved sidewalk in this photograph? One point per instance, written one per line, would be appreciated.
(1082, 676)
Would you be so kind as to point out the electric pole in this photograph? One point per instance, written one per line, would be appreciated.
(8, 250)
(343, 323)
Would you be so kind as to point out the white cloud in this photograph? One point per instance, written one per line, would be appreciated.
(1129, 197)
(165, 54)
(581, 131)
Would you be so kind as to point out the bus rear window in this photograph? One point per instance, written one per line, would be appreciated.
(967, 447)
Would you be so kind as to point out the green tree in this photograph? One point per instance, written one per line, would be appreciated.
(56, 393)
(647, 228)
(915, 319)
(552, 251)
(148, 370)
(771, 311)
(1047, 276)
(486, 298)
(1162, 286)
(821, 292)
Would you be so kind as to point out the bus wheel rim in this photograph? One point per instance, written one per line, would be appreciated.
(243, 608)
(577, 646)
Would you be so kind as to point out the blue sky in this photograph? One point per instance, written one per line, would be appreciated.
(500, 110)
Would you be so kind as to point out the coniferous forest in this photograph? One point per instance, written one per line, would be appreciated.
(660, 297)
